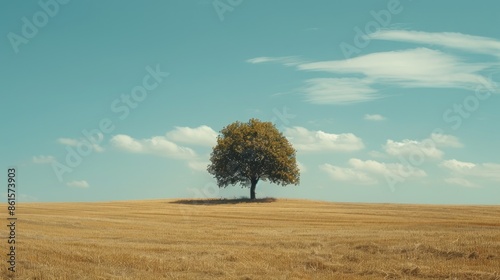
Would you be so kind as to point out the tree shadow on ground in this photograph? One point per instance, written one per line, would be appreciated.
(223, 201)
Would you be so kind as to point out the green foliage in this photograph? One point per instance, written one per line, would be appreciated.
(248, 152)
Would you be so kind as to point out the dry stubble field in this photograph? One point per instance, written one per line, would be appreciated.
(270, 239)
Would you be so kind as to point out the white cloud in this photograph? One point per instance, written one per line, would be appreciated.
(460, 182)
(347, 175)
(301, 167)
(197, 165)
(167, 146)
(469, 43)
(202, 135)
(415, 148)
(43, 159)
(68, 141)
(78, 184)
(127, 143)
(424, 148)
(157, 145)
(387, 169)
(338, 90)
(445, 140)
(358, 79)
(456, 165)
(318, 141)
(81, 142)
(261, 59)
(374, 117)
(97, 148)
(488, 171)
(285, 60)
(371, 172)
(419, 67)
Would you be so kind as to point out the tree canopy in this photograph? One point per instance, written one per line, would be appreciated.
(248, 152)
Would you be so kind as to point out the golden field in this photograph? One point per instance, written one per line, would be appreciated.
(267, 239)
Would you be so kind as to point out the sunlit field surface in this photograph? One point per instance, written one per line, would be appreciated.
(267, 239)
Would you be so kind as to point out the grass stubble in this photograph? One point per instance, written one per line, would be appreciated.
(267, 239)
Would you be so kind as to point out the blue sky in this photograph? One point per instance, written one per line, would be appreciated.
(385, 101)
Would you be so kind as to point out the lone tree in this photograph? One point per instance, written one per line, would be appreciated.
(248, 152)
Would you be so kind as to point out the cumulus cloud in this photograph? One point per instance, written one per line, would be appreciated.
(167, 145)
(412, 147)
(369, 172)
(318, 141)
(81, 142)
(127, 143)
(487, 171)
(428, 147)
(78, 184)
(347, 175)
(43, 159)
(202, 135)
(157, 145)
(386, 169)
(456, 165)
(374, 117)
(445, 140)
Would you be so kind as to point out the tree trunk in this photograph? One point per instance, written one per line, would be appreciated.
(252, 188)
